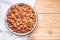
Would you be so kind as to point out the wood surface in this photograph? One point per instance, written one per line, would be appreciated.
(47, 6)
(48, 27)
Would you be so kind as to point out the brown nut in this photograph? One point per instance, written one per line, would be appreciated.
(21, 18)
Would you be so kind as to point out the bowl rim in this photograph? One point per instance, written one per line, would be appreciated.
(28, 31)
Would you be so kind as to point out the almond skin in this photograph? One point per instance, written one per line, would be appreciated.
(21, 18)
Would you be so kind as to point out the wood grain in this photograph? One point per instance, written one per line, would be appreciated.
(47, 6)
(48, 28)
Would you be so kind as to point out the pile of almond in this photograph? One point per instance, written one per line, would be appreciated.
(21, 18)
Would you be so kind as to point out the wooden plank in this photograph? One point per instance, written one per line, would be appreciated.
(48, 28)
(47, 6)
(49, 20)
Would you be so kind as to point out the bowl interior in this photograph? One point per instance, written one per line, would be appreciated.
(27, 32)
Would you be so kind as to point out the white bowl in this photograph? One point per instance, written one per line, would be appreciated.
(30, 30)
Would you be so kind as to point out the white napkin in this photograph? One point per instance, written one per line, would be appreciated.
(4, 5)
(30, 2)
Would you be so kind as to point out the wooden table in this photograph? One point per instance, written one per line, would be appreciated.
(48, 27)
